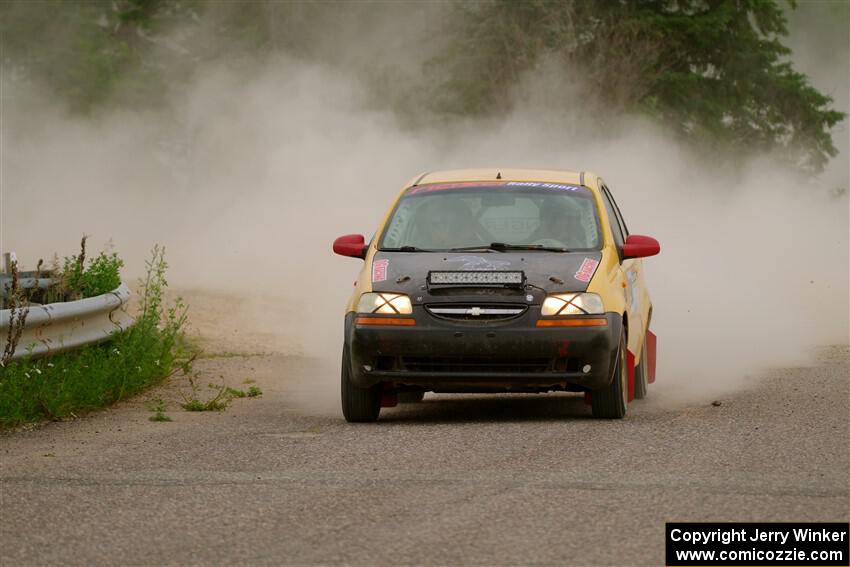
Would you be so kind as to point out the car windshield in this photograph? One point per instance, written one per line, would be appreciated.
(495, 215)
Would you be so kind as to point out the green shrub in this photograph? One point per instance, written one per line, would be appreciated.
(76, 281)
(103, 275)
(73, 279)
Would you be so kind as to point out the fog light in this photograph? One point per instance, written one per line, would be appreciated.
(585, 368)
(367, 368)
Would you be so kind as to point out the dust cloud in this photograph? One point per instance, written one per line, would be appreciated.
(248, 174)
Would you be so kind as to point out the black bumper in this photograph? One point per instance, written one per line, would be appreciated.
(447, 356)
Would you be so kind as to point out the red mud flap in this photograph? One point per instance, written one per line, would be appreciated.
(650, 353)
(389, 399)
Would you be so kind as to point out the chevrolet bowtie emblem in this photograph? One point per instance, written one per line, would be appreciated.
(475, 311)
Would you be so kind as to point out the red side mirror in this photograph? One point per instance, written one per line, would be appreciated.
(353, 245)
(638, 246)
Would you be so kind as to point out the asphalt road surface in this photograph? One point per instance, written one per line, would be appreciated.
(454, 480)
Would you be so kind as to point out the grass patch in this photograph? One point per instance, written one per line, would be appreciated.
(158, 407)
(230, 354)
(96, 376)
(235, 393)
(209, 405)
(218, 399)
(252, 392)
(194, 401)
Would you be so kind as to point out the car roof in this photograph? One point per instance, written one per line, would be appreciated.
(507, 174)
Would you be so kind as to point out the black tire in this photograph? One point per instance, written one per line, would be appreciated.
(410, 397)
(610, 402)
(358, 404)
(642, 375)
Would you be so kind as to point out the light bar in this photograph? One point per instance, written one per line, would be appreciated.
(475, 278)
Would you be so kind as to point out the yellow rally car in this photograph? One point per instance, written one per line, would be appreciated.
(499, 280)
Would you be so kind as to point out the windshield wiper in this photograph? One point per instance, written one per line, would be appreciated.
(407, 249)
(476, 248)
(502, 247)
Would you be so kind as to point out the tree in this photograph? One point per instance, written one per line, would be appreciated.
(715, 71)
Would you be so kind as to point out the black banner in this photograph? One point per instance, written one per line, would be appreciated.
(758, 544)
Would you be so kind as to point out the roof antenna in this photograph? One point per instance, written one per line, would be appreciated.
(499, 175)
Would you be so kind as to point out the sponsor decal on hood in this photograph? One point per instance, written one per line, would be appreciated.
(379, 270)
(585, 271)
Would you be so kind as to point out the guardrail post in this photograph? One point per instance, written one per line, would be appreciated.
(6, 264)
(5, 268)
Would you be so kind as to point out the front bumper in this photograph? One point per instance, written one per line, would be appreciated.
(516, 355)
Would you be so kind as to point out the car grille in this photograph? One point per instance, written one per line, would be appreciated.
(461, 365)
(477, 312)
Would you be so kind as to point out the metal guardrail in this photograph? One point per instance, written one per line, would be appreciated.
(26, 280)
(58, 327)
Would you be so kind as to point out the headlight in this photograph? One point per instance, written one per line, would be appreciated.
(385, 303)
(572, 304)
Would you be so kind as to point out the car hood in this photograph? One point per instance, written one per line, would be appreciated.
(545, 272)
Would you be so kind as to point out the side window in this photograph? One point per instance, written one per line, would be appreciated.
(612, 217)
(622, 222)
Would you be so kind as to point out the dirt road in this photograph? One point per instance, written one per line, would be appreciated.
(495, 480)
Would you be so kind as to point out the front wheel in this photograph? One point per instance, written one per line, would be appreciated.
(358, 404)
(610, 402)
